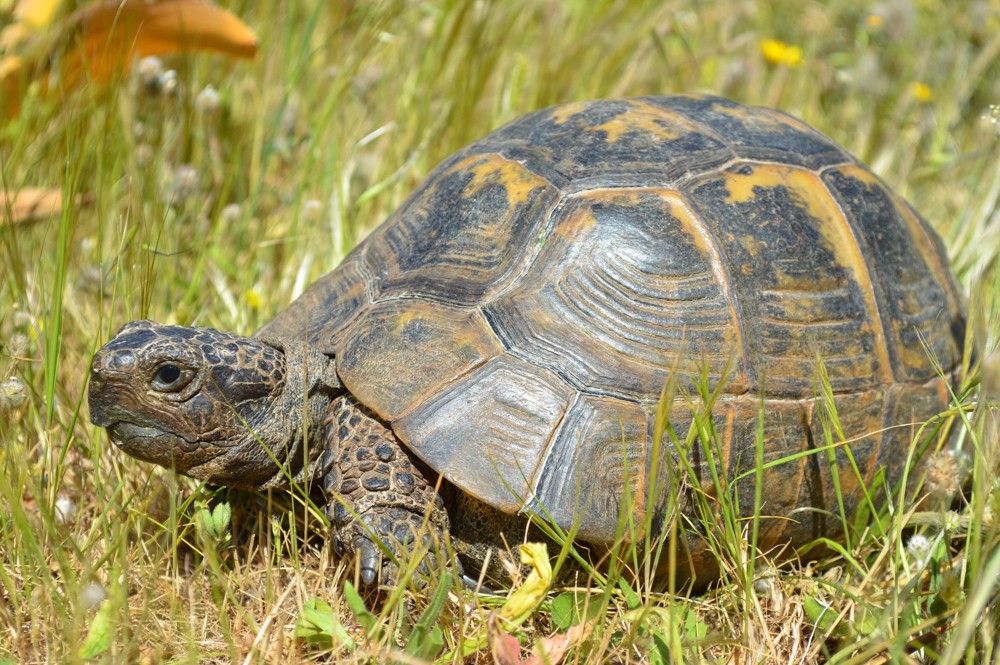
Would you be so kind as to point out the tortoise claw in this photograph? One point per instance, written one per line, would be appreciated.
(473, 584)
(368, 560)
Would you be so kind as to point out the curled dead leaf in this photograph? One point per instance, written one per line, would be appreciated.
(30, 204)
(112, 34)
(101, 39)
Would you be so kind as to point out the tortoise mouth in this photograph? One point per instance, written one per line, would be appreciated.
(149, 444)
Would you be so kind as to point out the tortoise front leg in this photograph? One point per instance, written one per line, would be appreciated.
(375, 489)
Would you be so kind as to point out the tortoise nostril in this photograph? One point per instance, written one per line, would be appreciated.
(106, 362)
(96, 380)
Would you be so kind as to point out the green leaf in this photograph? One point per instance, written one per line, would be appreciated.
(564, 610)
(317, 624)
(660, 654)
(215, 523)
(824, 617)
(695, 628)
(866, 620)
(632, 600)
(221, 515)
(356, 604)
(426, 640)
(570, 608)
(99, 633)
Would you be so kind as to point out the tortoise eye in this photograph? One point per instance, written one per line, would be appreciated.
(169, 378)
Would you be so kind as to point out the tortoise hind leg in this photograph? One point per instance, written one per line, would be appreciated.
(375, 489)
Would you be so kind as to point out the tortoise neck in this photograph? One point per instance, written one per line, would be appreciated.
(310, 386)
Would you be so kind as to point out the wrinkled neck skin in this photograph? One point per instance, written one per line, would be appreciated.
(284, 445)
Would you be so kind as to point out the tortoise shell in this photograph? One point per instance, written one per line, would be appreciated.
(517, 319)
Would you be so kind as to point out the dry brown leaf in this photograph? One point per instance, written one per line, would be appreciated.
(550, 650)
(555, 647)
(113, 33)
(30, 204)
(101, 39)
(10, 86)
(505, 648)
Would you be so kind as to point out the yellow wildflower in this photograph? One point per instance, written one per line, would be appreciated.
(778, 52)
(920, 91)
(253, 298)
(874, 21)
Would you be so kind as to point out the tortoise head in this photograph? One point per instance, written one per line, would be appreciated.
(213, 405)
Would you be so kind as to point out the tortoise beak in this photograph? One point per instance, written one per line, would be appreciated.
(104, 369)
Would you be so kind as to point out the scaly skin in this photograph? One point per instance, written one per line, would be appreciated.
(259, 414)
(375, 487)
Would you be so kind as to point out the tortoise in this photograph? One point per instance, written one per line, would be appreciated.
(512, 327)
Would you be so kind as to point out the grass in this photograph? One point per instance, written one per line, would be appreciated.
(221, 216)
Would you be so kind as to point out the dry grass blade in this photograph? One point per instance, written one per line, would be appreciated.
(29, 204)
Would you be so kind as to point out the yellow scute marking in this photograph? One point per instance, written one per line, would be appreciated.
(563, 113)
(517, 181)
(860, 174)
(405, 319)
(579, 221)
(760, 117)
(808, 191)
(641, 117)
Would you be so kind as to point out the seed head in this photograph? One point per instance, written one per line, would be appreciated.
(231, 213)
(207, 100)
(13, 394)
(184, 184)
(944, 475)
(92, 595)
(17, 345)
(65, 510)
(149, 69)
(168, 82)
(312, 209)
(919, 548)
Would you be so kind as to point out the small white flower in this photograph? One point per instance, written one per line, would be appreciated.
(312, 209)
(17, 345)
(65, 510)
(143, 153)
(919, 548)
(184, 184)
(93, 595)
(149, 70)
(167, 82)
(231, 213)
(88, 245)
(207, 100)
(13, 393)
